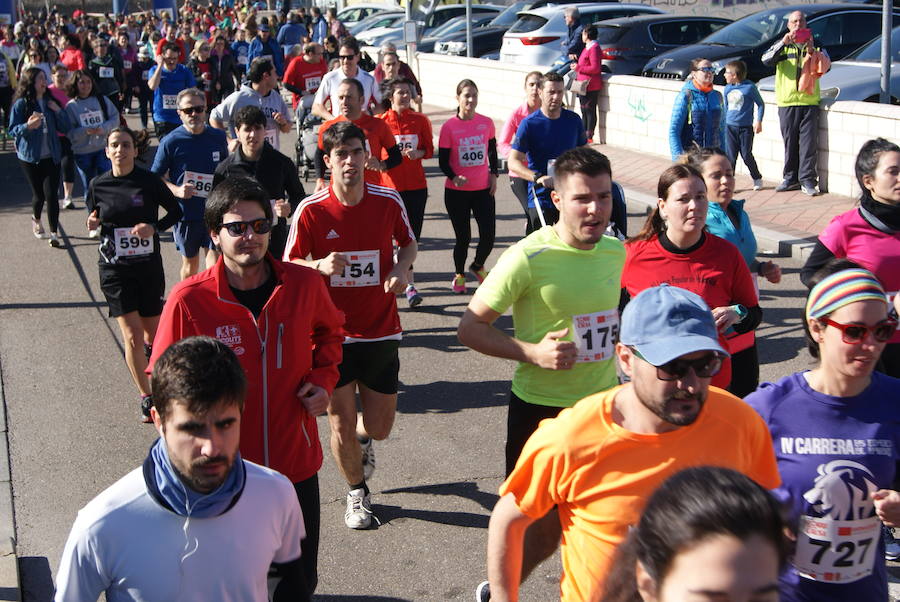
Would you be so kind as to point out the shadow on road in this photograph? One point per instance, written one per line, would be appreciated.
(444, 397)
(397, 514)
(464, 489)
(342, 598)
(37, 580)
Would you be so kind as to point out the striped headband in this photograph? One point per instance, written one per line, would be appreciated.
(843, 288)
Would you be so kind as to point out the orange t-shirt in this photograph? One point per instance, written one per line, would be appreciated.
(600, 475)
(378, 140)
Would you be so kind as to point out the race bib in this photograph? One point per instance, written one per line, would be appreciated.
(145, 75)
(272, 138)
(312, 83)
(170, 101)
(242, 59)
(202, 182)
(407, 142)
(836, 551)
(106, 72)
(91, 119)
(362, 270)
(472, 155)
(131, 245)
(595, 335)
(126, 64)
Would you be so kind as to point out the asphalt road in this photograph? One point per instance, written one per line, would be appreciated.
(74, 430)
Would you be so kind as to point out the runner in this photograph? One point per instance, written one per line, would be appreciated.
(286, 331)
(93, 116)
(381, 146)
(412, 131)
(194, 488)
(542, 136)
(599, 461)
(467, 153)
(167, 79)
(326, 103)
(673, 247)
(563, 343)
(108, 73)
(255, 158)
(265, 46)
(519, 182)
(124, 205)
(347, 233)
(262, 92)
(304, 75)
(187, 159)
(33, 124)
(837, 441)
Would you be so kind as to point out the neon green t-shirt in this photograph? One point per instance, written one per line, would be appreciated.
(552, 286)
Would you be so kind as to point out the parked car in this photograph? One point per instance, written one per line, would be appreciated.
(628, 43)
(858, 76)
(453, 30)
(382, 19)
(538, 36)
(441, 15)
(839, 28)
(357, 12)
(486, 40)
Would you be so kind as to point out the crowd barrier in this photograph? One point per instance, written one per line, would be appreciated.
(638, 109)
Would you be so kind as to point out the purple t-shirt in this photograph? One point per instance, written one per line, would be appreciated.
(832, 453)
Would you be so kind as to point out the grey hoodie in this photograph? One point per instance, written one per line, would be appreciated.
(85, 113)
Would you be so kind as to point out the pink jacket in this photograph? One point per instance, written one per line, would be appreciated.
(589, 66)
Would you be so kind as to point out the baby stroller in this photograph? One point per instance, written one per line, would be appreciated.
(307, 143)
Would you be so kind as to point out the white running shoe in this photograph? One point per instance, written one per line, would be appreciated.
(54, 240)
(94, 233)
(359, 510)
(757, 184)
(68, 203)
(368, 457)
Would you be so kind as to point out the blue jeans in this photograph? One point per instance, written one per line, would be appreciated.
(91, 165)
(739, 138)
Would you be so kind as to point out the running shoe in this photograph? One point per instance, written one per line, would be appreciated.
(412, 296)
(94, 233)
(146, 404)
(480, 273)
(368, 456)
(891, 545)
(54, 240)
(459, 284)
(757, 184)
(809, 189)
(37, 228)
(359, 510)
(68, 203)
(787, 186)
(483, 592)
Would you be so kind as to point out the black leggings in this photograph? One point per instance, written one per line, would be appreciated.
(6, 95)
(414, 201)
(744, 372)
(522, 420)
(68, 161)
(589, 110)
(44, 180)
(461, 205)
(308, 494)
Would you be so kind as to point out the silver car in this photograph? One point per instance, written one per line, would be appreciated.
(858, 76)
(538, 37)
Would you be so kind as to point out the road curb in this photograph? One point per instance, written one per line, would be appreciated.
(9, 565)
(783, 243)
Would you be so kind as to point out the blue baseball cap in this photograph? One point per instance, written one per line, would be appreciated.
(263, 27)
(665, 322)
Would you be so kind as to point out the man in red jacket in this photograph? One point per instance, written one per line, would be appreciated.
(279, 320)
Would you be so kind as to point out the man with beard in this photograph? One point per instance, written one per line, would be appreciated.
(281, 323)
(599, 461)
(167, 530)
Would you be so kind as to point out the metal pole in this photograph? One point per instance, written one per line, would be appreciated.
(886, 14)
(469, 28)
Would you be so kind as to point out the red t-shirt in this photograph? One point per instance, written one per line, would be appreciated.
(365, 233)
(182, 54)
(378, 139)
(411, 130)
(303, 75)
(715, 271)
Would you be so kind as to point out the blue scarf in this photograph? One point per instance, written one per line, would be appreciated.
(183, 500)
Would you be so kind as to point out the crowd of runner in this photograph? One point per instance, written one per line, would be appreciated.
(617, 340)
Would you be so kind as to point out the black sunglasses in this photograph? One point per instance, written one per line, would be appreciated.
(193, 110)
(346, 57)
(259, 226)
(704, 367)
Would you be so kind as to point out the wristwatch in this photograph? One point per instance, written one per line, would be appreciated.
(741, 311)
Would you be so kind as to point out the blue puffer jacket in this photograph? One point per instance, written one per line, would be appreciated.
(702, 122)
(28, 142)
